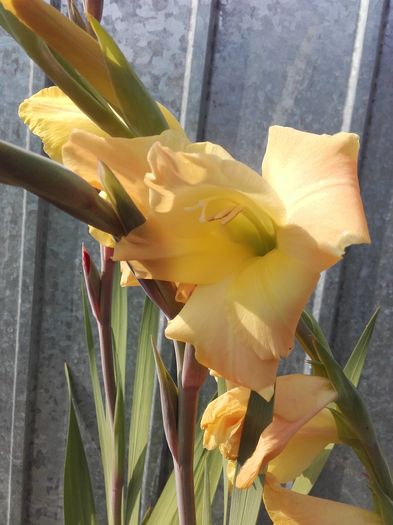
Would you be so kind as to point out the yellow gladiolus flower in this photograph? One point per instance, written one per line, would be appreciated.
(286, 507)
(250, 248)
(299, 419)
(252, 245)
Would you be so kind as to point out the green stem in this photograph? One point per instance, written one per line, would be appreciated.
(184, 471)
(105, 329)
(192, 377)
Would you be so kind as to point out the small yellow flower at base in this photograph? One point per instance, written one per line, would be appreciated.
(299, 415)
(286, 507)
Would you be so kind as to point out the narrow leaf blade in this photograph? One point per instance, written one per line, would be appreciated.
(139, 110)
(78, 493)
(353, 368)
(120, 323)
(141, 404)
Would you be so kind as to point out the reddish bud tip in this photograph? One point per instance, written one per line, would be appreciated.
(85, 260)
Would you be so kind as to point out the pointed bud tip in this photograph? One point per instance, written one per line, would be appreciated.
(86, 261)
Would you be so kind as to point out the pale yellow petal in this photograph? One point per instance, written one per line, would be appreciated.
(127, 277)
(53, 116)
(127, 158)
(304, 447)
(243, 324)
(298, 399)
(102, 237)
(177, 248)
(211, 173)
(286, 507)
(315, 177)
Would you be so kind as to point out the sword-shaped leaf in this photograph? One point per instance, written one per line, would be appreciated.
(78, 494)
(138, 108)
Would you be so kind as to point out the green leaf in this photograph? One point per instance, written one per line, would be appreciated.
(129, 215)
(103, 424)
(165, 510)
(169, 403)
(134, 490)
(353, 368)
(78, 89)
(78, 494)
(305, 482)
(139, 110)
(245, 505)
(141, 407)
(206, 502)
(119, 323)
(57, 185)
(258, 416)
(119, 434)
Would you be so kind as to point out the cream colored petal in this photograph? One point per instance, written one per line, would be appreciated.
(293, 409)
(127, 158)
(304, 447)
(222, 422)
(127, 277)
(315, 177)
(286, 507)
(208, 167)
(178, 247)
(102, 237)
(243, 324)
(53, 116)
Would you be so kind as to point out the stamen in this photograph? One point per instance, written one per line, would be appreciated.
(225, 216)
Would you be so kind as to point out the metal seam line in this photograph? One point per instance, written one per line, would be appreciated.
(188, 65)
(18, 318)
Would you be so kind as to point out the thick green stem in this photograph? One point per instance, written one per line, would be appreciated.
(104, 324)
(183, 466)
(192, 377)
(105, 329)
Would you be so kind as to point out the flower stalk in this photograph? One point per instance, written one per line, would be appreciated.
(193, 375)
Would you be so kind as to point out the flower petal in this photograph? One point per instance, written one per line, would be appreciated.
(243, 324)
(127, 158)
(222, 422)
(316, 179)
(286, 507)
(179, 248)
(304, 447)
(127, 277)
(52, 116)
(298, 399)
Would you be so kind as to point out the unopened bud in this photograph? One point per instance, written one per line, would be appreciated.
(92, 281)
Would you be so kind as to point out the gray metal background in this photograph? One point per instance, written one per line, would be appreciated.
(228, 69)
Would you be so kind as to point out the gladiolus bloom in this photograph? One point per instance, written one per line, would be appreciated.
(286, 507)
(251, 248)
(252, 245)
